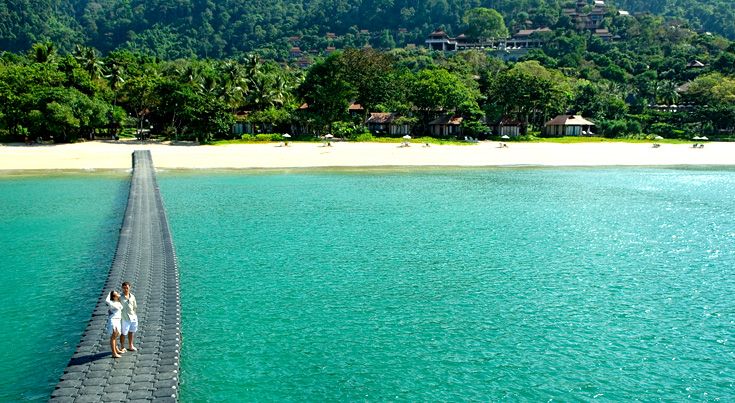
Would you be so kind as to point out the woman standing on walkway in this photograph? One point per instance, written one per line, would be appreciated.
(114, 318)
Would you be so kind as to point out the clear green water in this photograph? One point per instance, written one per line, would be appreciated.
(57, 238)
(525, 284)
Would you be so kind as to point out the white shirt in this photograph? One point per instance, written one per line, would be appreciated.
(115, 308)
(129, 306)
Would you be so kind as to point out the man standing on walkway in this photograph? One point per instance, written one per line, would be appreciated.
(129, 317)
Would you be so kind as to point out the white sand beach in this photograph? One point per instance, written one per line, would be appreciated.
(117, 155)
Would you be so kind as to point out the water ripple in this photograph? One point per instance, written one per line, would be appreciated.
(523, 284)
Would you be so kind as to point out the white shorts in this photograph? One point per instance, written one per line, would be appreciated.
(112, 326)
(129, 326)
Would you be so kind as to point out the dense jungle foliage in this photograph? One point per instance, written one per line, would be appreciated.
(225, 28)
(660, 77)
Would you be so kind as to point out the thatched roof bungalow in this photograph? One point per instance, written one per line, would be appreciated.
(568, 125)
(446, 125)
(386, 123)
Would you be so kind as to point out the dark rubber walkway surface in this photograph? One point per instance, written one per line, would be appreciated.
(145, 257)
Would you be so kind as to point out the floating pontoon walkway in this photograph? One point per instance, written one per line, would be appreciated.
(145, 257)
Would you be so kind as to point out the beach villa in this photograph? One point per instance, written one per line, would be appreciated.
(386, 123)
(509, 127)
(568, 125)
(446, 126)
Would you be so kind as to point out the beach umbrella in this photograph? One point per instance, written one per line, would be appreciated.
(505, 137)
(407, 137)
(288, 136)
(658, 138)
(328, 139)
(704, 138)
(696, 138)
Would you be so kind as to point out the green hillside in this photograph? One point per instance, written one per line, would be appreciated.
(226, 28)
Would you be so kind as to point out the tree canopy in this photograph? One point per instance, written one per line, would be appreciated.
(228, 28)
(483, 23)
(659, 76)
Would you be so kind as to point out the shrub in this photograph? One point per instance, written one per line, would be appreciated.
(247, 137)
(663, 129)
(264, 137)
(474, 127)
(613, 128)
(634, 127)
(365, 137)
(347, 130)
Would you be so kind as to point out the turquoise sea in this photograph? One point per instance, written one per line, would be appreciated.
(58, 235)
(409, 285)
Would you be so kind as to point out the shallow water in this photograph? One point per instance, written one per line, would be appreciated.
(397, 285)
(471, 284)
(57, 238)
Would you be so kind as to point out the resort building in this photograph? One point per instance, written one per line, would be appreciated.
(585, 18)
(446, 126)
(696, 64)
(509, 127)
(519, 43)
(355, 109)
(386, 123)
(568, 125)
(604, 34)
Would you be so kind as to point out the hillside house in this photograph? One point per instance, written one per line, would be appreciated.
(517, 45)
(584, 19)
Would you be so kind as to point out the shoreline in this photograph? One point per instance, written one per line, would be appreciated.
(113, 156)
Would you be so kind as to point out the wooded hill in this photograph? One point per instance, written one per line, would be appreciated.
(650, 76)
(226, 28)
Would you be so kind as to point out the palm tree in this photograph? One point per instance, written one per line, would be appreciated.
(209, 86)
(87, 58)
(234, 85)
(666, 92)
(116, 79)
(43, 52)
(279, 90)
(253, 65)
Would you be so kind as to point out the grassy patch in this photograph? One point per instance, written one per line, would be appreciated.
(574, 140)
(234, 141)
(388, 140)
(434, 141)
(418, 140)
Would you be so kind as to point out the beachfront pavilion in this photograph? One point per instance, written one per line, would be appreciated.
(446, 125)
(386, 123)
(568, 125)
(509, 127)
